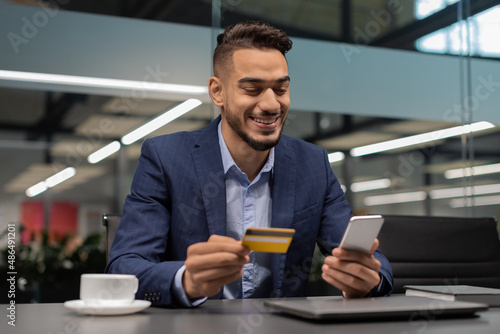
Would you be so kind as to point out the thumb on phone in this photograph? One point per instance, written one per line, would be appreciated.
(374, 246)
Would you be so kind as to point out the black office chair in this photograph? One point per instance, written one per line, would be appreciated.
(111, 222)
(441, 250)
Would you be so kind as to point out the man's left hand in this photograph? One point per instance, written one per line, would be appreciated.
(354, 273)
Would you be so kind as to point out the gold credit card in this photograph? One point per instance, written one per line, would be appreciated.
(270, 240)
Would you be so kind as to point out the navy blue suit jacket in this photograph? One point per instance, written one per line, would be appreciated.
(178, 199)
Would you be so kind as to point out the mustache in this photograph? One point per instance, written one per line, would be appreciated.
(279, 112)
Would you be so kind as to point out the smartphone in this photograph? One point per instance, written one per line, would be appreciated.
(361, 232)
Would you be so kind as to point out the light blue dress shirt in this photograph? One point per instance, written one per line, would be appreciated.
(248, 204)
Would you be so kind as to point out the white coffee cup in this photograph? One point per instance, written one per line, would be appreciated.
(108, 289)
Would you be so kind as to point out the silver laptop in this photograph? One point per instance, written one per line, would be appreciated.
(336, 308)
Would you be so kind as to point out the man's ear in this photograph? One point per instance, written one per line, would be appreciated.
(216, 92)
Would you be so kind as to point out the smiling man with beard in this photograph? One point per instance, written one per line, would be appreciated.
(195, 193)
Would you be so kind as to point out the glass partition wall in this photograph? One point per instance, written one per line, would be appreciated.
(415, 140)
(437, 166)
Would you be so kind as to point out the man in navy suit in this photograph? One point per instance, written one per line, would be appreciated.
(195, 193)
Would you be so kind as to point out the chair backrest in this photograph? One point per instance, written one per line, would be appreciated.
(441, 250)
(111, 222)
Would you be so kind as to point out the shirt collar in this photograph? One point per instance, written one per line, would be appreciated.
(227, 159)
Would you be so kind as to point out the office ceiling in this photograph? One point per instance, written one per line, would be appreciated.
(32, 149)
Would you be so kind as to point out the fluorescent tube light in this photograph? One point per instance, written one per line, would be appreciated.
(160, 121)
(335, 157)
(51, 181)
(370, 185)
(469, 171)
(465, 191)
(101, 82)
(37, 189)
(60, 177)
(395, 198)
(474, 201)
(420, 139)
(104, 152)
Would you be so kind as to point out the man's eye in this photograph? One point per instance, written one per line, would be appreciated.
(280, 91)
(251, 90)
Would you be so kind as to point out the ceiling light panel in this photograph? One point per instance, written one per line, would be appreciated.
(469, 171)
(415, 196)
(465, 191)
(420, 138)
(475, 201)
(440, 168)
(51, 181)
(335, 157)
(370, 185)
(160, 121)
(104, 152)
(95, 82)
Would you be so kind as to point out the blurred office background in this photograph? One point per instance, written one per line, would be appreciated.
(420, 78)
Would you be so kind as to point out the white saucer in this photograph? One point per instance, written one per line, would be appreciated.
(80, 306)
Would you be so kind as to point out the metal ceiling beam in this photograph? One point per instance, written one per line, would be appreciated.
(167, 9)
(146, 8)
(346, 20)
(478, 153)
(173, 11)
(350, 127)
(55, 112)
(404, 38)
(18, 127)
(233, 17)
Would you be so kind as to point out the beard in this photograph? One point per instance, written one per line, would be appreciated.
(263, 145)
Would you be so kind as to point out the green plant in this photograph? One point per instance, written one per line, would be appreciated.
(44, 262)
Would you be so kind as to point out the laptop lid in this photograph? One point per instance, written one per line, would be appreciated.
(336, 308)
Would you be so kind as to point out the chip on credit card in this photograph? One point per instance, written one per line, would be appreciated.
(270, 240)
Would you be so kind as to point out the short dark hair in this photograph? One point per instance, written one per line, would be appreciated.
(248, 35)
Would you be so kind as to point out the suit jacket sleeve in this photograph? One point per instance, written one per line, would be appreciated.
(336, 213)
(140, 244)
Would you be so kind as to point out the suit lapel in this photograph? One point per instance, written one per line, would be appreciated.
(208, 164)
(209, 169)
(283, 193)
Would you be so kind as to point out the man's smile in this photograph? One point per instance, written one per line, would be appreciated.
(266, 121)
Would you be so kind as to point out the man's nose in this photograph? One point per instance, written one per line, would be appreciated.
(269, 102)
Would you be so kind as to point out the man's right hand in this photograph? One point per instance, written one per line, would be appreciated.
(212, 264)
